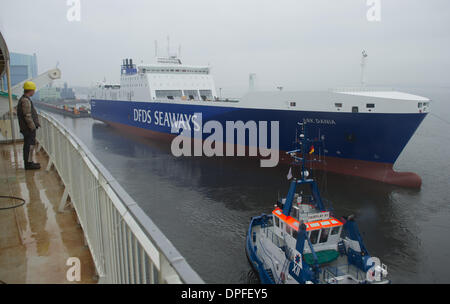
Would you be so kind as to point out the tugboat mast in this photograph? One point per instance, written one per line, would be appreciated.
(304, 143)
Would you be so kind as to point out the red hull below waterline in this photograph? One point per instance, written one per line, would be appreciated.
(382, 172)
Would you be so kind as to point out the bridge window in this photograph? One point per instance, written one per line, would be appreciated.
(324, 235)
(335, 230)
(294, 233)
(191, 94)
(294, 212)
(169, 94)
(314, 236)
(288, 229)
(206, 94)
(277, 221)
(419, 105)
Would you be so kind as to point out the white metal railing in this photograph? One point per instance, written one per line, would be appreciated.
(126, 246)
(361, 89)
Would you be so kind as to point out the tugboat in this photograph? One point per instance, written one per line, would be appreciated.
(302, 241)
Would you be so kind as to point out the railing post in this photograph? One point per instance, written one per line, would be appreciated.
(166, 272)
(62, 203)
(50, 149)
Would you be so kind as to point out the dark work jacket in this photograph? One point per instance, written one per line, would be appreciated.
(27, 115)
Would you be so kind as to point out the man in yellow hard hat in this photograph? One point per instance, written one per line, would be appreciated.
(28, 122)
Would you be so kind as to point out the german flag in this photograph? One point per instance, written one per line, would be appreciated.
(311, 150)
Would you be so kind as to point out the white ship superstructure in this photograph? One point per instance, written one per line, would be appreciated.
(168, 79)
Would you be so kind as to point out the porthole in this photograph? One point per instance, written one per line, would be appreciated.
(351, 138)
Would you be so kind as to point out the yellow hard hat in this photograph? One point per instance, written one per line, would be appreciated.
(29, 85)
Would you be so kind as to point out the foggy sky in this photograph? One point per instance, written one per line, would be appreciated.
(296, 44)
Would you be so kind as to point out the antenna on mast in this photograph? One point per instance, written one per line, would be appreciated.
(168, 46)
(251, 81)
(156, 48)
(363, 67)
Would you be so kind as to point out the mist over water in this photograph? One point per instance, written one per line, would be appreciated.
(203, 205)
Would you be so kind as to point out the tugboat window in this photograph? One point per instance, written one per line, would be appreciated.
(324, 235)
(314, 236)
(294, 212)
(277, 221)
(335, 230)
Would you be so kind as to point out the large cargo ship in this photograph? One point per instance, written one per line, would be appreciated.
(364, 130)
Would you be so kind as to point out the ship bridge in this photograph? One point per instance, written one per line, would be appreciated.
(167, 79)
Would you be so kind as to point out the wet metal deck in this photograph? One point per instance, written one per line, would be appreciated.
(36, 240)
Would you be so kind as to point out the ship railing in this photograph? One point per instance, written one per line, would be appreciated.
(267, 265)
(278, 241)
(126, 246)
(333, 272)
(362, 89)
(209, 99)
(227, 100)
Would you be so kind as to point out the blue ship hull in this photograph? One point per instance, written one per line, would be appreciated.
(361, 144)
